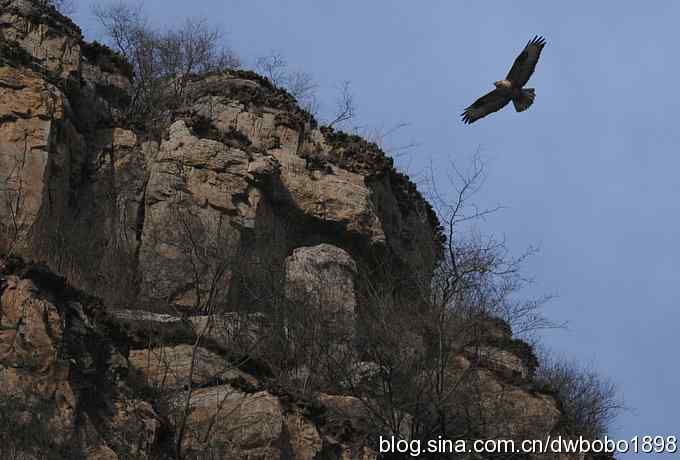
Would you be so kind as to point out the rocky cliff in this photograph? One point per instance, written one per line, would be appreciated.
(176, 255)
(241, 156)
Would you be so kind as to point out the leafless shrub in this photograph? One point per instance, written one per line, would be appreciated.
(162, 60)
(380, 136)
(302, 86)
(274, 67)
(125, 26)
(66, 7)
(299, 84)
(193, 48)
(345, 107)
(476, 275)
(423, 334)
(589, 402)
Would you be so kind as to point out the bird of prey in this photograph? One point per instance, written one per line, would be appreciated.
(512, 88)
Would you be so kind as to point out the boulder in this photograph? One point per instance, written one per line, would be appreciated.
(322, 278)
(225, 421)
(170, 368)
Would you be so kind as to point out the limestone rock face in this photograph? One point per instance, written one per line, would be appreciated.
(539, 413)
(70, 388)
(59, 164)
(51, 38)
(188, 197)
(336, 196)
(504, 361)
(30, 336)
(503, 407)
(30, 109)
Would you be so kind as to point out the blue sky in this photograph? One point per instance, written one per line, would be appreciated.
(589, 173)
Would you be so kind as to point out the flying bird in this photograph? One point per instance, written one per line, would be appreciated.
(512, 88)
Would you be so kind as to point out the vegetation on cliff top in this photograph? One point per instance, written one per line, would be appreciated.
(107, 59)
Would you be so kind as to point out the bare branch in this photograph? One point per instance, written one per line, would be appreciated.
(66, 7)
(273, 67)
(589, 402)
(162, 60)
(299, 84)
(345, 105)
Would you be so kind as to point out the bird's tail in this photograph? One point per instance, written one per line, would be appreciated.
(524, 101)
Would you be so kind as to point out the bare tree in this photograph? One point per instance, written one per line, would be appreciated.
(124, 25)
(424, 367)
(589, 402)
(162, 60)
(380, 135)
(63, 6)
(274, 67)
(299, 84)
(192, 49)
(345, 107)
(302, 87)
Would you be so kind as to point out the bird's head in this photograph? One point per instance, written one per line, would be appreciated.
(503, 84)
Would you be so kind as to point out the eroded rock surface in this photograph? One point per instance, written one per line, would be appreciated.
(61, 366)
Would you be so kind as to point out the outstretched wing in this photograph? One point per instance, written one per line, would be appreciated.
(526, 62)
(489, 103)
